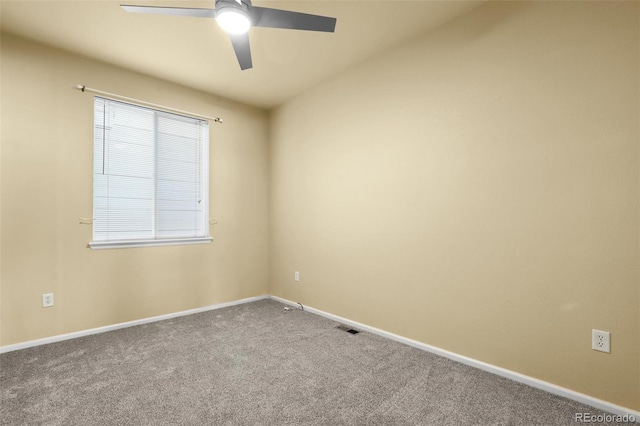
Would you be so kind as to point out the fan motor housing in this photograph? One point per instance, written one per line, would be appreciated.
(243, 5)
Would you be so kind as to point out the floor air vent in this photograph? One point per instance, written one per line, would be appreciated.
(347, 329)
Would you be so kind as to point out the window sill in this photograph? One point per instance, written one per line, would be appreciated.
(102, 245)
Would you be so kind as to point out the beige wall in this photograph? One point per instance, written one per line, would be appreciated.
(47, 185)
(477, 189)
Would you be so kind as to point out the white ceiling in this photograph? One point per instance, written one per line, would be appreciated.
(194, 52)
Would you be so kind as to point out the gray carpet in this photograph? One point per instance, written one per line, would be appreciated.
(256, 364)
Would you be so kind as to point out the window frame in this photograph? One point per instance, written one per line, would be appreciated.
(163, 241)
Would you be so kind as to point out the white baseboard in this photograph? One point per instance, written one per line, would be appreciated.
(521, 378)
(76, 334)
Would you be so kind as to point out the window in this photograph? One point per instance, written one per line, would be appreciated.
(150, 177)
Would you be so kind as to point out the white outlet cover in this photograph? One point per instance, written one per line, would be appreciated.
(296, 276)
(47, 300)
(601, 341)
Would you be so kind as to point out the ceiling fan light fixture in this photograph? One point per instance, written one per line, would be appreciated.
(236, 17)
(233, 21)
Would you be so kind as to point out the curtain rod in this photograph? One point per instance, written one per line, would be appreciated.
(84, 88)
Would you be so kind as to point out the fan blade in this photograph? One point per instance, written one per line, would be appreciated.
(173, 11)
(243, 50)
(276, 18)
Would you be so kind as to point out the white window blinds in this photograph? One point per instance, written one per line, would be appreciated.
(150, 177)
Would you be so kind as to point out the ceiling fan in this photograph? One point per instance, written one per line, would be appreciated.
(236, 17)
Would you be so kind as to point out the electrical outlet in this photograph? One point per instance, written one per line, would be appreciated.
(47, 300)
(601, 341)
(296, 276)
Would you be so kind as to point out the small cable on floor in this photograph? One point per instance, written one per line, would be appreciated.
(291, 308)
